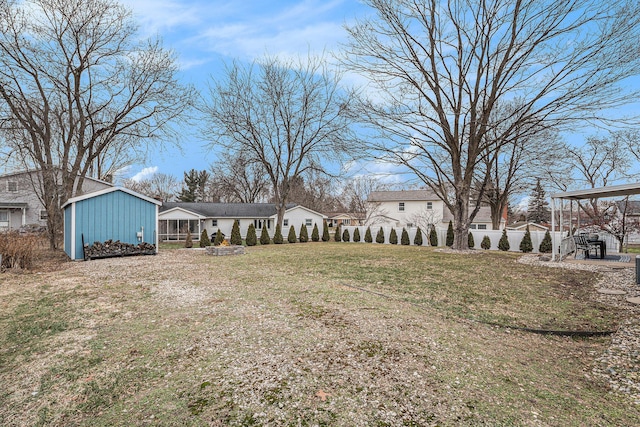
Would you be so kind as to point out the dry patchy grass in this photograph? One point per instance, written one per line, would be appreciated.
(280, 336)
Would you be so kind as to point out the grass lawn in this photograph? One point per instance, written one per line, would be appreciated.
(308, 334)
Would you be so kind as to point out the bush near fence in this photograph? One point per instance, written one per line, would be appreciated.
(514, 236)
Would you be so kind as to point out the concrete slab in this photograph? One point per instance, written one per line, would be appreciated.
(611, 291)
(635, 300)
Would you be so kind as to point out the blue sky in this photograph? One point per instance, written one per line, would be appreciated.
(205, 34)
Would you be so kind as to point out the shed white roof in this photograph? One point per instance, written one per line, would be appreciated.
(110, 190)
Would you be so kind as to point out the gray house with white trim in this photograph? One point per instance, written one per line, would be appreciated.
(20, 204)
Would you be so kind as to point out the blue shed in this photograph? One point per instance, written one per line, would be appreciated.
(111, 214)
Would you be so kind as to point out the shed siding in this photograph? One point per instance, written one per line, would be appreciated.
(67, 236)
(116, 216)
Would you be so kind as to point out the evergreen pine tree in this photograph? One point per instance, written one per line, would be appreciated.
(346, 236)
(526, 245)
(204, 239)
(538, 209)
(219, 238)
(304, 234)
(380, 236)
(356, 235)
(277, 237)
(188, 243)
(367, 235)
(471, 243)
(315, 236)
(291, 238)
(450, 235)
(264, 236)
(337, 236)
(503, 243)
(433, 237)
(325, 231)
(547, 244)
(236, 238)
(486, 243)
(393, 237)
(418, 239)
(404, 238)
(251, 238)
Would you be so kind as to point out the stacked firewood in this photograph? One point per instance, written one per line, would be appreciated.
(111, 248)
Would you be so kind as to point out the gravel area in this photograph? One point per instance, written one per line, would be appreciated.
(619, 366)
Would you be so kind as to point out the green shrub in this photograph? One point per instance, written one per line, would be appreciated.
(380, 236)
(219, 238)
(526, 245)
(337, 235)
(204, 239)
(236, 238)
(304, 234)
(367, 235)
(546, 244)
(418, 239)
(315, 236)
(393, 237)
(277, 237)
(404, 238)
(264, 236)
(188, 243)
(291, 238)
(450, 235)
(251, 239)
(470, 242)
(346, 236)
(503, 243)
(356, 235)
(486, 242)
(433, 237)
(325, 231)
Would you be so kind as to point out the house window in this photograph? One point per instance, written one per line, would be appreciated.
(4, 218)
(409, 224)
(346, 221)
(429, 205)
(43, 215)
(12, 186)
(308, 222)
(401, 207)
(285, 222)
(482, 226)
(214, 222)
(472, 227)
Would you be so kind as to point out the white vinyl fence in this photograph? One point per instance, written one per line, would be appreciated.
(515, 237)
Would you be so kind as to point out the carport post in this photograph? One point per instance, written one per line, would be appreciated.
(553, 229)
(637, 269)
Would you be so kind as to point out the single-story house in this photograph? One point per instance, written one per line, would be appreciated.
(175, 218)
(20, 204)
(344, 218)
(111, 214)
(522, 226)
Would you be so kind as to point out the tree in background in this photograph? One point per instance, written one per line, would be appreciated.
(264, 236)
(486, 243)
(417, 240)
(433, 237)
(219, 238)
(315, 235)
(204, 239)
(404, 237)
(503, 243)
(277, 236)
(287, 116)
(439, 74)
(160, 186)
(380, 236)
(235, 179)
(195, 186)
(393, 237)
(346, 236)
(82, 94)
(546, 245)
(538, 210)
(472, 243)
(236, 237)
(367, 235)
(251, 238)
(356, 235)
(337, 236)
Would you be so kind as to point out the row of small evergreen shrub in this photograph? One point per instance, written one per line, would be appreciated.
(251, 239)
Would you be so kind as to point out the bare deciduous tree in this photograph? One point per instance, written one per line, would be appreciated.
(236, 180)
(438, 70)
(286, 116)
(160, 186)
(78, 89)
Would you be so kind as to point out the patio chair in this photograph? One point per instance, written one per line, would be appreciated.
(582, 244)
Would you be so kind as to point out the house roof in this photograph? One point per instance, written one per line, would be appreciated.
(16, 173)
(483, 215)
(111, 190)
(402, 195)
(227, 210)
(348, 215)
(523, 224)
(6, 205)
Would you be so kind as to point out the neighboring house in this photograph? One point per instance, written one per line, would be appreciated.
(522, 226)
(417, 208)
(20, 204)
(176, 218)
(344, 218)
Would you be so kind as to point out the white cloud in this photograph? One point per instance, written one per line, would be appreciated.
(145, 173)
